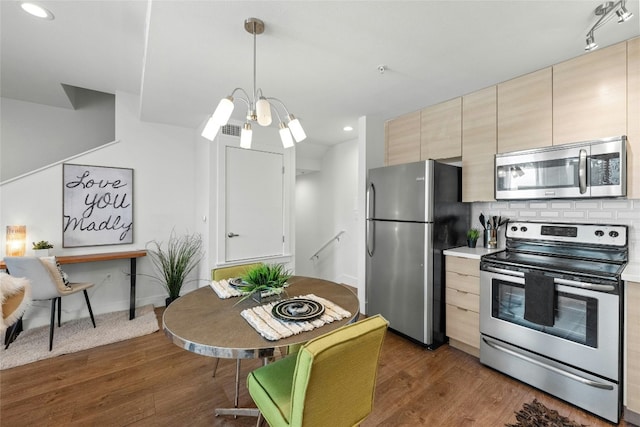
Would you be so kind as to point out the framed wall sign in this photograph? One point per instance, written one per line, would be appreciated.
(97, 206)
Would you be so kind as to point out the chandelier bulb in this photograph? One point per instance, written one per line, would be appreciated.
(263, 111)
(210, 129)
(246, 136)
(285, 136)
(223, 111)
(296, 128)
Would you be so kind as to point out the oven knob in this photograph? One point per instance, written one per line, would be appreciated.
(523, 229)
(599, 233)
(613, 234)
(514, 228)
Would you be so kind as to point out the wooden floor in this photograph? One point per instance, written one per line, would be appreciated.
(149, 381)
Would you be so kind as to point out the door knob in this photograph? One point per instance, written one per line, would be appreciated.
(232, 234)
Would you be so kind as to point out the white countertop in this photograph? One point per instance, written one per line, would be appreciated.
(473, 253)
(631, 272)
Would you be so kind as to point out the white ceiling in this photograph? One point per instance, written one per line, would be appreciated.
(320, 57)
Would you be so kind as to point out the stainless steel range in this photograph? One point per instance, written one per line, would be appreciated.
(551, 311)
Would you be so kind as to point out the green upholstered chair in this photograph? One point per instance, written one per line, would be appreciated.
(330, 382)
(221, 273)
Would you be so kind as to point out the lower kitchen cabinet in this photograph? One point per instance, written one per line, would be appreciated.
(463, 303)
(632, 338)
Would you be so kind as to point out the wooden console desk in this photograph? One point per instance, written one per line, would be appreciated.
(107, 256)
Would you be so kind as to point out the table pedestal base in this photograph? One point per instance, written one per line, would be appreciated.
(242, 412)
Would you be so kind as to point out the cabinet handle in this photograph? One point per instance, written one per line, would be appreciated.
(460, 308)
(461, 292)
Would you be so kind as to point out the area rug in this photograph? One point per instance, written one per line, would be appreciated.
(535, 414)
(76, 335)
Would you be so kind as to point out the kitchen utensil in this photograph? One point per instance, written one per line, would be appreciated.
(482, 221)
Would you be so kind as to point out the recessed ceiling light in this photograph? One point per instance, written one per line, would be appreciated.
(347, 128)
(36, 10)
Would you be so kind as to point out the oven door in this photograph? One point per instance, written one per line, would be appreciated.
(586, 328)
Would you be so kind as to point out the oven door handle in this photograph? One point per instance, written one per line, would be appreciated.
(575, 284)
(548, 367)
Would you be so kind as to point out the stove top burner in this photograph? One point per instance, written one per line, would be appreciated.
(562, 265)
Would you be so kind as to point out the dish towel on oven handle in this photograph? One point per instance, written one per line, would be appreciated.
(539, 298)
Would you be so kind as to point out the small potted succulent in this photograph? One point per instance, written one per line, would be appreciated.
(472, 237)
(264, 279)
(41, 248)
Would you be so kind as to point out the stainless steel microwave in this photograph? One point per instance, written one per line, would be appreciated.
(579, 170)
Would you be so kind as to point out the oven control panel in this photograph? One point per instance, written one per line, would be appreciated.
(598, 234)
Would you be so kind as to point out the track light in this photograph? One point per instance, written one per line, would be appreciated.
(623, 14)
(259, 107)
(591, 43)
(604, 11)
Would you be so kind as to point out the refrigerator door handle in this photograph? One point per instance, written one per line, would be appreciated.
(371, 198)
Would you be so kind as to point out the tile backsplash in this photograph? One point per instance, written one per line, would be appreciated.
(597, 211)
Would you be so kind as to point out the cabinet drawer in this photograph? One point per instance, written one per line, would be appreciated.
(463, 299)
(468, 266)
(463, 325)
(462, 282)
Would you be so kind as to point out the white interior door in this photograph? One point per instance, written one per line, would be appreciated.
(254, 204)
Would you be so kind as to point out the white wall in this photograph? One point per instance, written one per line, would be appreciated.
(327, 203)
(52, 133)
(163, 159)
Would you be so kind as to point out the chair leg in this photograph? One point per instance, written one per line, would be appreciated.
(10, 336)
(259, 422)
(235, 402)
(215, 367)
(86, 298)
(59, 309)
(52, 324)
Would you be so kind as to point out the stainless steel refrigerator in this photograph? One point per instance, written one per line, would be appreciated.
(414, 213)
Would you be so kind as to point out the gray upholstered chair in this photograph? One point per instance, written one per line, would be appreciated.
(47, 283)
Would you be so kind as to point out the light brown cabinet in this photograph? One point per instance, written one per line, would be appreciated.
(590, 96)
(441, 130)
(463, 303)
(595, 95)
(402, 139)
(479, 129)
(632, 339)
(633, 118)
(524, 112)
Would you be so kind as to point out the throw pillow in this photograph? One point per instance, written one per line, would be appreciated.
(56, 273)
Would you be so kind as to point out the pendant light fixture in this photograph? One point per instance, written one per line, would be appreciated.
(259, 107)
(605, 12)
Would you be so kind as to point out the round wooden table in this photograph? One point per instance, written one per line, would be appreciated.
(203, 323)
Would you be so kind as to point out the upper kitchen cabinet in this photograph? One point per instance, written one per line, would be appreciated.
(633, 118)
(479, 145)
(403, 139)
(524, 112)
(590, 96)
(441, 131)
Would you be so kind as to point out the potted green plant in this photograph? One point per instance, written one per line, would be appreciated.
(472, 237)
(265, 278)
(41, 248)
(174, 261)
